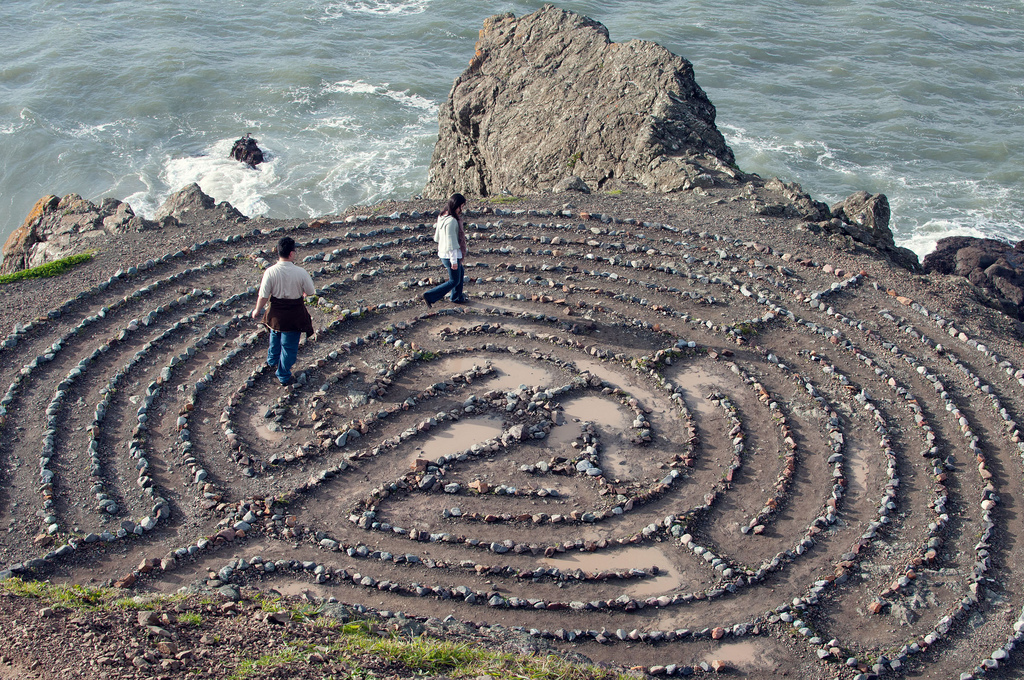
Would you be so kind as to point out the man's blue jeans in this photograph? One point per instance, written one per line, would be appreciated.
(284, 349)
(453, 284)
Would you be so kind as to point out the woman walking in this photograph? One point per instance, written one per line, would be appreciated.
(451, 248)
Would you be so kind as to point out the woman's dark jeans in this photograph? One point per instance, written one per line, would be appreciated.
(453, 284)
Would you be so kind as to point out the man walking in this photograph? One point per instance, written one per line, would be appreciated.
(284, 286)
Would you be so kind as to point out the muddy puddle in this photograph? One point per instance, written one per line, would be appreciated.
(625, 381)
(509, 374)
(669, 576)
(746, 656)
(612, 421)
(458, 437)
(263, 430)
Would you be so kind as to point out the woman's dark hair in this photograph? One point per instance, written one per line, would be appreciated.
(285, 247)
(454, 203)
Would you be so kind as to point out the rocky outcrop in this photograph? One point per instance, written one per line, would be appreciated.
(792, 202)
(548, 96)
(190, 205)
(996, 268)
(862, 217)
(57, 227)
(868, 213)
(246, 150)
(865, 218)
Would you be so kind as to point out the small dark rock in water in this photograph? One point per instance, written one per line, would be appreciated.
(246, 151)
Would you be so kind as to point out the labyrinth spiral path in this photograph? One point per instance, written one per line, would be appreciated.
(651, 445)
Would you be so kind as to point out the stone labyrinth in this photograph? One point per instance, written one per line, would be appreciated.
(654, 447)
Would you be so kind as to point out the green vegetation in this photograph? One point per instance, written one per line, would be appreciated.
(193, 619)
(350, 643)
(54, 268)
(614, 192)
(504, 199)
(422, 655)
(69, 596)
(573, 160)
(76, 597)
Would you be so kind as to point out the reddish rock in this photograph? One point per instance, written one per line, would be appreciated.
(126, 582)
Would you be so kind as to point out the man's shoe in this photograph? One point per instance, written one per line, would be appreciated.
(429, 303)
(286, 383)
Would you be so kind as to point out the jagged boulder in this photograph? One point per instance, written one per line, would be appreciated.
(794, 202)
(190, 204)
(58, 227)
(862, 217)
(870, 212)
(186, 200)
(571, 183)
(549, 96)
(996, 269)
(246, 150)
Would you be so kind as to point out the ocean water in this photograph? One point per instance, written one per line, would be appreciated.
(133, 99)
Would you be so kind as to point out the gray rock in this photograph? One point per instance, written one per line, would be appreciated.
(868, 211)
(230, 593)
(549, 94)
(571, 183)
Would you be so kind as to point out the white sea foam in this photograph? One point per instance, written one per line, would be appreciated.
(376, 7)
(927, 235)
(353, 87)
(403, 97)
(219, 176)
(98, 130)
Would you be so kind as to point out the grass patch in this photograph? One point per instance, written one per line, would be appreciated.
(423, 655)
(82, 597)
(614, 192)
(54, 268)
(287, 655)
(193, 619)
(746, 329)
(69, 596)
(505, 200)
(353, 644)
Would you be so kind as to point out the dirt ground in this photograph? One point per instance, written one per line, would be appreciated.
(663, 432)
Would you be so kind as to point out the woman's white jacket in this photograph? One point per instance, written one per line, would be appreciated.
(446, 233)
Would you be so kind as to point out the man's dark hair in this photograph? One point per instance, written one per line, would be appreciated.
(285, 247)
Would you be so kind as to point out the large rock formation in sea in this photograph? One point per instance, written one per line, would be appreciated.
(548, 97)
